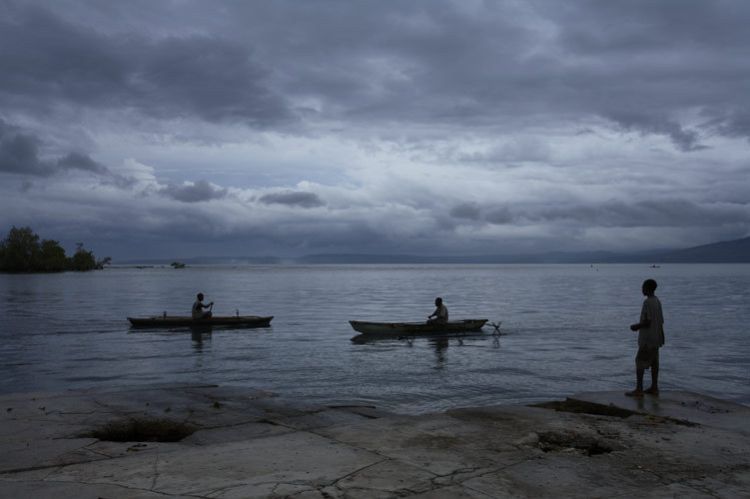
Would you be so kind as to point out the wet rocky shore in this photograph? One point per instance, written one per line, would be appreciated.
(226, 442)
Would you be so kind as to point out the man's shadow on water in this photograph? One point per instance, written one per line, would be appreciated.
(441, 346)
(438, 343)
(198, 335)
(441, 343)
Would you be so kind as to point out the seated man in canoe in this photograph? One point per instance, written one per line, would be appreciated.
(198, 308)
(440, 315)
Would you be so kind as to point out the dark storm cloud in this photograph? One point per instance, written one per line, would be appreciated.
(20, 154)
(278, 239)
(194, 193)
(638, 64)
(683, 139)
(648, 60)
(666, 213)
(660, 213)
(467, 211)
(293, 198)
(499, 216)
(316, 235)
(47, 61)
(78, 161)
(736, 125)
(638, 25)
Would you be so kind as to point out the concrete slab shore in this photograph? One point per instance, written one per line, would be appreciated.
(246, 443)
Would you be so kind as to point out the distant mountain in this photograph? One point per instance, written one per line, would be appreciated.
(353, 258)
(736, 251)
(557, 257)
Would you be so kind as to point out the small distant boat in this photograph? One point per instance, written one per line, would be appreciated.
(238, 321)
(396, 329)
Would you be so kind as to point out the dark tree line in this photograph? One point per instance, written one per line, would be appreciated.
(22, 251)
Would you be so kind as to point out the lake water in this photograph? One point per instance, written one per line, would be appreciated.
(564, 330)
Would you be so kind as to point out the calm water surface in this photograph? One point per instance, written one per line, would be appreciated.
(565, 329)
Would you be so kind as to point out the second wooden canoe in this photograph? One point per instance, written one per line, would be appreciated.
(416, 328)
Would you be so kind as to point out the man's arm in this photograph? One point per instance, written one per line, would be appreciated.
(640, 325)
(645, 319)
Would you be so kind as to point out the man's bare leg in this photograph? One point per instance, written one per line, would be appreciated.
(654, 388)
(638, 392)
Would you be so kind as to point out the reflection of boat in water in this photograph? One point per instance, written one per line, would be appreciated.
(396, 329)
(235, 321)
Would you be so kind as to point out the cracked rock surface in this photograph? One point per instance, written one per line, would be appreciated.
(248, 444)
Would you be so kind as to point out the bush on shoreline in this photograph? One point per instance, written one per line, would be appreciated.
(22, 252)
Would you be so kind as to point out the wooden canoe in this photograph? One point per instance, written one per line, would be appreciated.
(386, 329)
(238, 321)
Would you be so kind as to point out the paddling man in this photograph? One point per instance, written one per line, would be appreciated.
(198, 307)
(650, 339)
(440, 315)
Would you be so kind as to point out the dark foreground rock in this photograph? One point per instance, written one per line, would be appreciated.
(223, 442)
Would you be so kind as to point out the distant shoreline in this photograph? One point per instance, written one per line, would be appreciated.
(736, 251)
(288, 263)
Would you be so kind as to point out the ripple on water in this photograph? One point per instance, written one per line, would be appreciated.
(58, 334)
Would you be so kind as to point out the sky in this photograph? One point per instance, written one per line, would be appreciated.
(250, 128)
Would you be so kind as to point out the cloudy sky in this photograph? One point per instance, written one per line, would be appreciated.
(184, 128)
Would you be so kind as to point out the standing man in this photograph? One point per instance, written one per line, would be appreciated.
(650, 339)
(198, 307)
